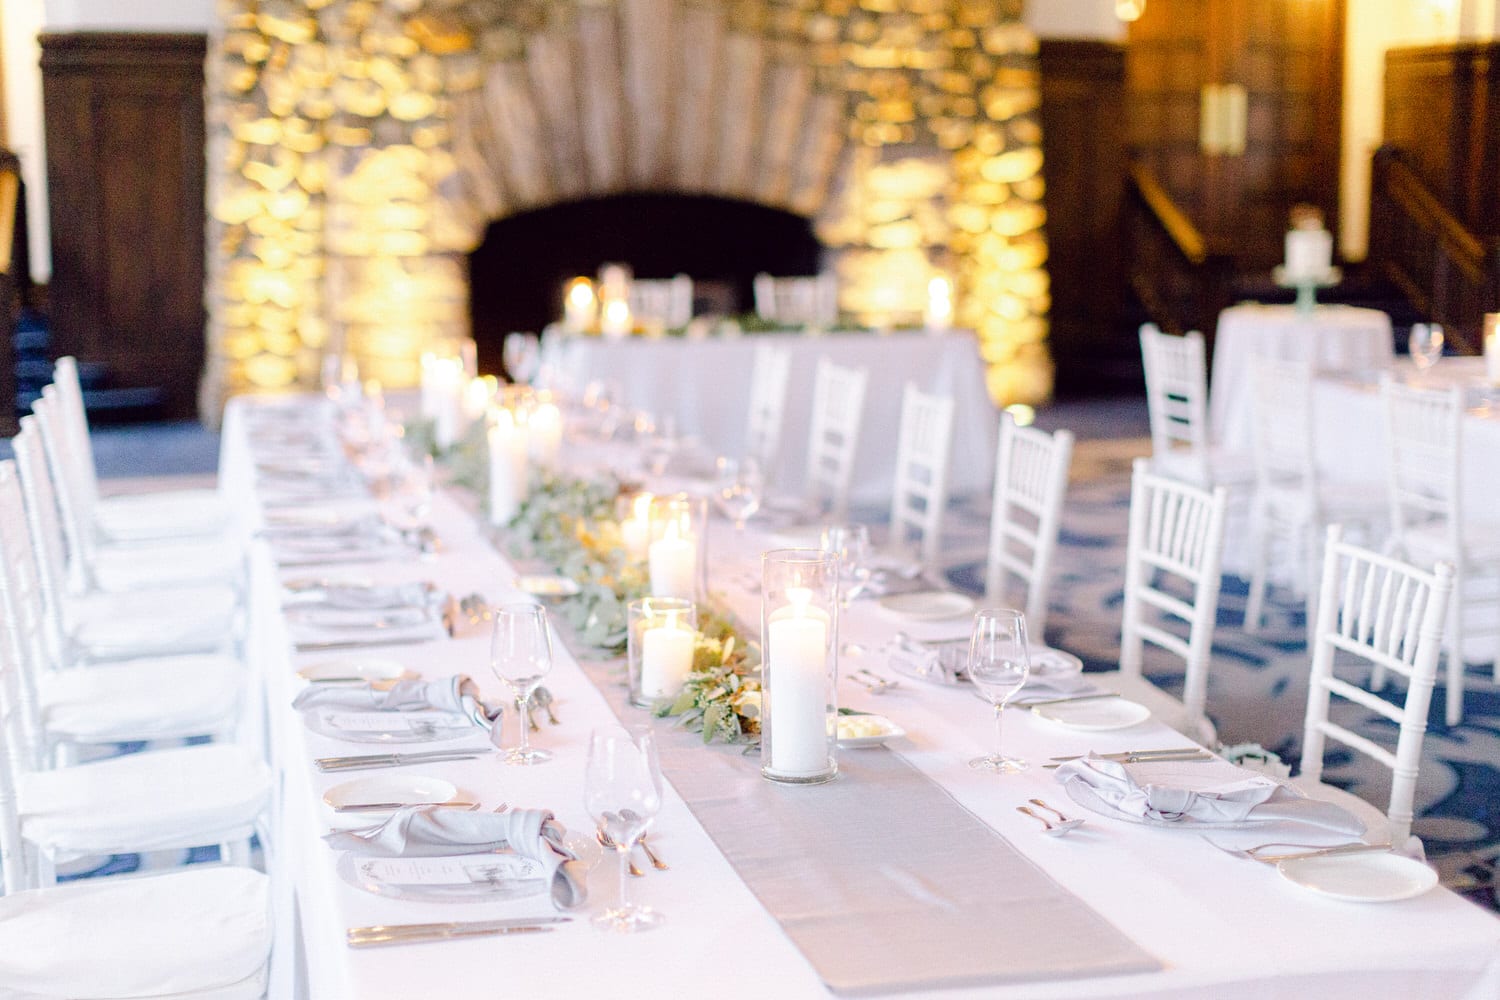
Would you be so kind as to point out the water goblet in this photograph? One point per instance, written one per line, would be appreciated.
(622, 793)
(659, 443)
(408, 501)
(998, 666)
(521, 655)
(738, 490)
(1425, 345)
(521, 355)
(851, 543)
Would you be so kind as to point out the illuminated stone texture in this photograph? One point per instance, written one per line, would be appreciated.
(360, 147)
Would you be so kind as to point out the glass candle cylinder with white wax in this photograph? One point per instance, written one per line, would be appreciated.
(579, 306)
(507, 441)
(1492, 348)
(442, 391)
(663, 632)
(634, 513)
(676, 556)
(799, 665)
(938, 316)
(615, 319)
(544, 429)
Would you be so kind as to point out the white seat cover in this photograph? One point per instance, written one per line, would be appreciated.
(139, 623)
(164, 515)
(202, 928)
(162, 564)
(145, 800)
(141, 699)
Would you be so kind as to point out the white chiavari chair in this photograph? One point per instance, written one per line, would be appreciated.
(1293, 503)
(668, 301)
(94, 564)
(833, 439)
(802, 301)
(1390, 615)
(1177, 405)
(1175, 544)
(919, 501)
(1424, 452)
(1031, 479)
(147, 699)
(768, 382)
(112, 625)
(160, 514)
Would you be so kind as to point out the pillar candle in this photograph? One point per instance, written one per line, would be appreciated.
(1492, 347)
(939, 315)
(579, 306)
(615, 320)
(671, 560)
(477, 395)
(635, 530)
(796, 658)
(544, 434)
(666, 658)
(507, 467)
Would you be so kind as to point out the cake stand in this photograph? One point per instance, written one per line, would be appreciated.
(1307, 285)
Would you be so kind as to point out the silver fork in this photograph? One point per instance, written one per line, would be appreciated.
(872, 681)
(1311, 850)
(608, 842)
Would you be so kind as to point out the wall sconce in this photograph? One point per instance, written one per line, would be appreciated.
(1129, 10)
(1221, 119)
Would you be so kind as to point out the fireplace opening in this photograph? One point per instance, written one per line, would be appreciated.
(518, 272)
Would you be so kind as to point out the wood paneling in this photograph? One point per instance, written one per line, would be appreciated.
(125, 169)
(1442, 105)
(1083, 149)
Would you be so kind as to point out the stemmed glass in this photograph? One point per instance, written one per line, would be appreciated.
(851, 543)
(521, 354)
(1425, 344)
(998, 665)
(521, 655)
(408, 501)
(738, 493)
(622, 792)
(659, 442)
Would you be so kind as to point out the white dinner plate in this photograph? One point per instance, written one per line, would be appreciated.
(405, 789)
(547, 586)
(928, 605)
(867, 731)
(1361, 878)
(359, 619)
(460, 878)
(354, 726)
(1096, 716)
(356, 671)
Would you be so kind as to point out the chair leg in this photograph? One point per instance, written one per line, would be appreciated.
(1455, 696)
(1260, 535)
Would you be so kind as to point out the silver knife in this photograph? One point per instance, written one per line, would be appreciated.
(390, 936)
(418, 755)
(1122, 754)
(1200, 755)
(395, 762)
(1323, 852)
(314, 645)
(1062, 701)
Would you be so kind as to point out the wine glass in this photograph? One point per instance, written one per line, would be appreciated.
(622, 793)
(521, 354)
(1425, 344)
(851, 543)
(998, 666)
(521, 655)
(739, 488)
(659, 443)
(408, 501)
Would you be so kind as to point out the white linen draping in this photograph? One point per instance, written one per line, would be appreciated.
(1333, 339)
(705, 384)
(1221, 926)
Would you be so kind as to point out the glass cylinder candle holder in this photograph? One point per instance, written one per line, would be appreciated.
(663, 632)
(633, 512)
(1492, 348)
(799, 665)
(676, 557)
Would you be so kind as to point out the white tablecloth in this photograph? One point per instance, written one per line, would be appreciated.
(705, 385)
(1333, 339)
(1221, 926)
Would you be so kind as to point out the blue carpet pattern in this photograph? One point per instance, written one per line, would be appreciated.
(1258, 683)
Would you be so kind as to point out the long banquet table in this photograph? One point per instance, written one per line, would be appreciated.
(705, 385)
(1219, 926)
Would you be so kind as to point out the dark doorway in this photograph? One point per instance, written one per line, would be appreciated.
(517, 274)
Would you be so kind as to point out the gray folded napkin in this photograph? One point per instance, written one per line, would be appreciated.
(358, 597)
(430, 831)
(457, 694)
(1206, 793)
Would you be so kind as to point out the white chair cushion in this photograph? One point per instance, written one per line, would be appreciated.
(145, 801)
(150, 622)
(198, 929)
(141, 699)
(165, 564)
(1164, 708)
(165, 515)
(1377, 824)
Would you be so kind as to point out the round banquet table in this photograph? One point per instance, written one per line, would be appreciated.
(1332, 338)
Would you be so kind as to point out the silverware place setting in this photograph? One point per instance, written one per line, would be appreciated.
(392, 934)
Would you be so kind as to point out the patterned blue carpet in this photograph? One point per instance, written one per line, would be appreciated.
(1258, 683)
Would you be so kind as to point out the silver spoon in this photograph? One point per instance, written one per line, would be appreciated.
(608, 842)
(630, 816)
(1049, 828)
(543, 698)
(1064, 824)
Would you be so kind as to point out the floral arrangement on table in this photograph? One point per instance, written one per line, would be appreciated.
(569, 524)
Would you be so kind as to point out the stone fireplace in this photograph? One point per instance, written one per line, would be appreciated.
(360, 149)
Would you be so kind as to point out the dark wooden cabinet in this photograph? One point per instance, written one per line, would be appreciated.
(125, 174)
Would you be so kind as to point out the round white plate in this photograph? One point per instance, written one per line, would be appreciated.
(322, 616)
(1094, 716)
(406, 789)
(391, 727)
(866, 731)
(928, 605)
(1049, 662)
(1361, 878)
(356, 671)
(547, 586)
(462, 878)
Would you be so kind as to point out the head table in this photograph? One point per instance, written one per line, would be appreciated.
(1216, 925)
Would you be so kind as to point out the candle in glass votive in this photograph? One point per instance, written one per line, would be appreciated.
(442, 397)
(507, 466)
(797, 661)
(1492, 348)
(939, 313)
(616, 321)
(579, 305)
(477, 397)
(671, 561)
(666, 657)
(635, 530)
(544, 432)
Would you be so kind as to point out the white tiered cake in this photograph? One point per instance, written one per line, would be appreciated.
(1309, 255)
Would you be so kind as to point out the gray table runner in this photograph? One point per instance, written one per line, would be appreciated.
(881, 879)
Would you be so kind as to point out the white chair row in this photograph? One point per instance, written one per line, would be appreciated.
(798, 301)
(668, 301)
